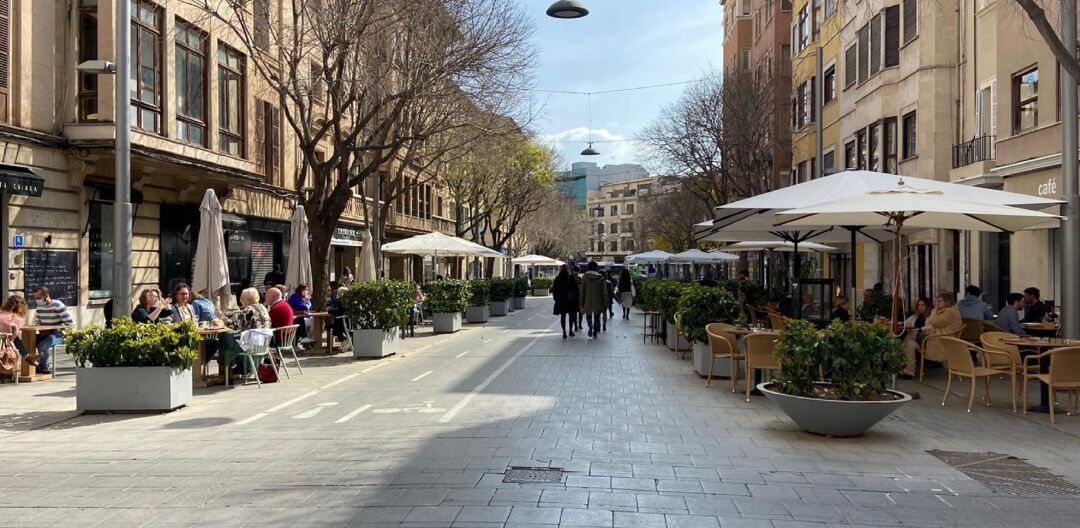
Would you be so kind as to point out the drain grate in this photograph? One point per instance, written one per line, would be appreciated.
(1007, 474)
(531, 475)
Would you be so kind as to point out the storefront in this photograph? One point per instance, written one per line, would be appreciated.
(345, 249)
(1033, 255)
(20, 181)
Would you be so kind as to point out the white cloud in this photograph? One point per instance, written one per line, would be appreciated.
(613, 147)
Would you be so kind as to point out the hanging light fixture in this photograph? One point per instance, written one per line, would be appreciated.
(589, 151)
(567, 9)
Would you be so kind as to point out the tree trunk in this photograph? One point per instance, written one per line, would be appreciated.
(320, 260)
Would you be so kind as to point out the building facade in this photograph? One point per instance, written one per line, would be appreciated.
(201, 119)
(614, 212)
(585, 177)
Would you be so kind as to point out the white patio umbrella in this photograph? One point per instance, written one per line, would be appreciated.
(298, 267)
(437, 244)
(775, 245)
(904, 206)
(655, 256)
(697, 256)
(537, 260)
(211, 263)
(366, 273)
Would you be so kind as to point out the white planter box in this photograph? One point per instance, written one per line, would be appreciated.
(499, 308)
(541, 292)
(517, 303)
(721, 366)
(375, 343)
(446, 323)
(131, 388)
(683, 343)
(477, 314)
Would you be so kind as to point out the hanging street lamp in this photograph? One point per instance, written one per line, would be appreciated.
(567, 9)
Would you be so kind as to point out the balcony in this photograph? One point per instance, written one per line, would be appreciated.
(974, 151)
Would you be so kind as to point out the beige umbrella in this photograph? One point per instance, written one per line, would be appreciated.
(211, 263)
(907, 207)
(298, 270)
(366, 272)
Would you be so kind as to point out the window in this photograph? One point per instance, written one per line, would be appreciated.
(629, 227)
(614, 228)
(872, 148)
(892, 36)
(795, 38)
(614, 210)
(1026, 100)
(318, 87)
(268, 141)
(262, 24)
(785, 5)
(907, 136)
(744, 7)
(146, 66)
(230, 101)
(100, 224)
(911, 16)
(745, 59)
(860, 145)
(849, 155)
(628, 245)
(757, 25)
(190, 84)
(851, 65)
(830, 8)
(889, 145)
(829, 85)
(600, 211)
(864, 53)
(613, 245)
(829, 161)
(875, 44)
(804, 26)
(768, 10)
(815, 17)
(5, 56)
(986, 111)
(88, 50)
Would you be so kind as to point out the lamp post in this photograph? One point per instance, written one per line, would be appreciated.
(1070, 290)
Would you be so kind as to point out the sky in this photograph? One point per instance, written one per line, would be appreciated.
(621, 44)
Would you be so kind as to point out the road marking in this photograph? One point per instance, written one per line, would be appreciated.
(422, 408)
(420, 377)
(375, 366)
(308, 394)
(314, 411)
(353, 414)
(463, 353)
(487, 381)
(250, 419)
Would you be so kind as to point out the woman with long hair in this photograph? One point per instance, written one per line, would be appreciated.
(626, 292)
(564, 289)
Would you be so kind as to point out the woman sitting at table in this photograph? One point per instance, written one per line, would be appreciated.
(252, 314)
(182, 308)
(840, 313)
(12, 317)
(912, 326)
(152, 308)
(300, 301)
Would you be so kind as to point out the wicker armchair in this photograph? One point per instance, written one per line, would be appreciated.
(1064, 372)
(931, 348)
(759, 356)
(723, 344)
(961, 365)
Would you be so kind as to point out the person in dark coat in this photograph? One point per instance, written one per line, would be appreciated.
(594, 298)
(564, 289)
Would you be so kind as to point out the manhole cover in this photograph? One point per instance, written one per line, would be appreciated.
(1007, 474)
(527, 475)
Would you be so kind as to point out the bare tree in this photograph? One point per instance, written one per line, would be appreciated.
(558, 228)
(377, 88)
(1037, 13)
(668, 215)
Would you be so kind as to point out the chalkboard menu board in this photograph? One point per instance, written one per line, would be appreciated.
(56, 270)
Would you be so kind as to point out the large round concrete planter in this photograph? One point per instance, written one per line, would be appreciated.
(833, 417)
(721, 366)
(446, 323)
(128, 389)
(541, 292)
(499, 308)
(375, 343)
(477, 314)
(683, 344)
(517, 303)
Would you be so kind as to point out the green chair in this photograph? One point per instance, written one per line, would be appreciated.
(285, 341)
(253, 357)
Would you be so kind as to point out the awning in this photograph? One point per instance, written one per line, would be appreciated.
(16, 179)
(232, 222)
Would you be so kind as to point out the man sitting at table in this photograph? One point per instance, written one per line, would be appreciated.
(1009, 316)
(50, 312)
(1034, 309)
(972, 305)
(281, 314)
(204, 308)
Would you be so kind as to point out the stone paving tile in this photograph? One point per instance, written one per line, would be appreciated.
(531, 515)
(638, 520)
(579, 517)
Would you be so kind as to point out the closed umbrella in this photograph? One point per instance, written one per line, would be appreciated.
(366, 273)
(211, 263)
(902, 207)
(298, 270)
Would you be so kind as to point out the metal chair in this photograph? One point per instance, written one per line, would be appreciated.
(723, 344)
(759, 356)
(1064, 372)
(347, 335)
(959, 363)
(253, 358)
(285, 341)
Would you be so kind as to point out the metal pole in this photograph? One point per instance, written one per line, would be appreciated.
(1070, 290)
(854, 268)
(376, 231)
(122, 214)
(819, 98)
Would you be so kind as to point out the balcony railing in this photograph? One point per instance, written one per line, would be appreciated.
(978, 149)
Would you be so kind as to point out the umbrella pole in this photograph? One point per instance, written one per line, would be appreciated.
(896, 273)
(854, 285)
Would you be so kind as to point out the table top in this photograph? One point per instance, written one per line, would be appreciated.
(748, 331)
(1041, 326)
(318, 314)
(41, 328)
(1035, 342)
(214, 331)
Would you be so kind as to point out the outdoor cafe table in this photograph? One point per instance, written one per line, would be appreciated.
(197, 377)
(30, 333)
(1040, 345)
(1041, 329)
(322, 331)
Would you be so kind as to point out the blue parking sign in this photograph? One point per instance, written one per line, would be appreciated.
(18, 241)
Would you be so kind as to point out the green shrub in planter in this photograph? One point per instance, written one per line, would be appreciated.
(646, 291)
(521, 287)
(542, 283)
(858, 360)
(479, 292)
(701, 305)
(131, 344)
(665, 297)
(447, 295)
(501, 289)
(382, 304)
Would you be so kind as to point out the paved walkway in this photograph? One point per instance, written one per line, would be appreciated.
(423, 439)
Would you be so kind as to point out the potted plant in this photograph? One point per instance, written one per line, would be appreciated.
(447, 298)
(133, 366)
(479, 296)
(377, 309)
(665, 299)
(521, 290)
(646, 290)
(699, 306)
(499, 293)
(836, 382)
(541, 286)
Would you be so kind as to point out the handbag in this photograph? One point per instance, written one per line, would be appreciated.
(9, 359)
(267, 373)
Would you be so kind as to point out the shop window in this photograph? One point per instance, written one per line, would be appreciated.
(190, 83)
(100, 232)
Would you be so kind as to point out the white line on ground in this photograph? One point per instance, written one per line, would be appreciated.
(420, 377)
(250, 419)
(353, 414)
(373, 367)
(463, 353)
(487, 381)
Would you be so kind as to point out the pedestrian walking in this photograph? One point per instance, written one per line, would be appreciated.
(594, 298)
(609, 310)
(626, 292)
(564, 289)
(576, 274)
